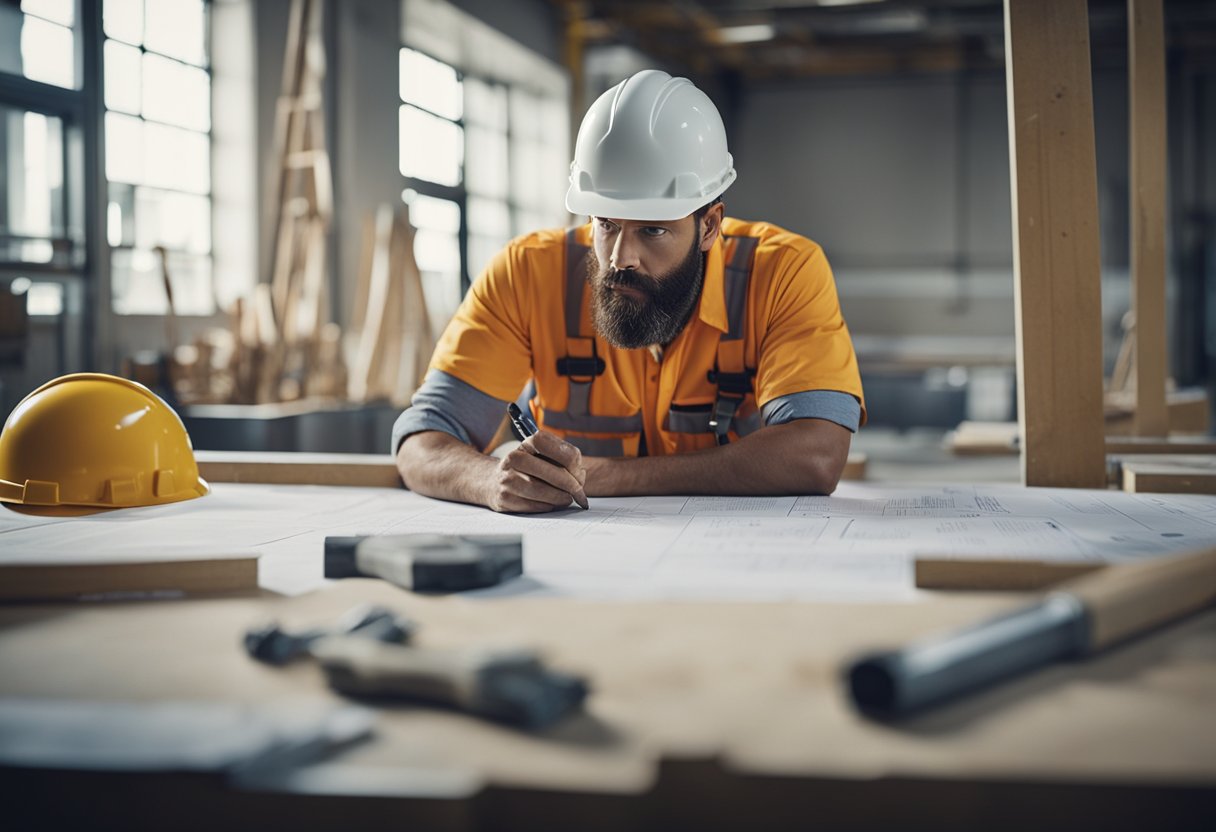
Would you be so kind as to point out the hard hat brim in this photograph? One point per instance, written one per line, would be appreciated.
(35, 510)
(659, 209)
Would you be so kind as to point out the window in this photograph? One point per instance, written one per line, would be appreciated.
(484, 161)
(38, 41)
(41, 245)
(33, 225)
(158, 153)
(432, 162)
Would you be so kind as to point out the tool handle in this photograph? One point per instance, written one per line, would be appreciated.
(1124, 600)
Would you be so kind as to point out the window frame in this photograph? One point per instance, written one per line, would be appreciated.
(460, 194)
(207, 68)
(87, 269)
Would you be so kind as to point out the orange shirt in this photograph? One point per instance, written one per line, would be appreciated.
(511, 328)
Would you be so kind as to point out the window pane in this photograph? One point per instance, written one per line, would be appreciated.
(482, 251)
(485, 104)
(120, 215)
(62, 12)
(176, 93)
(486, 169)
(430, 84)
(431, 148)
(138, 287)
(432, 213)
(176, 158)
(437, 251)
(47, 53)
(124, 148)
(124, 19)
(528, 221)
(554, 123)
(123, 77)
(442, 290)
(489, 217)
(526, 115)
(176, 28)
(527, 175)
(173, 220)
(44, 299)
(32, 223)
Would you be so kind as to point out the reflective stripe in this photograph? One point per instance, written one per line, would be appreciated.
(598, 447)
(593, 424)
(736, 277)
(576, 277)
(697, 421)
(730, 359)
(748, 424)
(579, 404)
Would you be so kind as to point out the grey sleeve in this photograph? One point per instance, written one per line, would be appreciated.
(447, 404)
(831, 405)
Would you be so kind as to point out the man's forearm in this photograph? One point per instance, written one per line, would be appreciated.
(439, 465)
(806, 456)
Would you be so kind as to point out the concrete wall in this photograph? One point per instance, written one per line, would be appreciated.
(905, 183)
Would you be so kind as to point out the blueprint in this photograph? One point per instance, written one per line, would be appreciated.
(859, 544)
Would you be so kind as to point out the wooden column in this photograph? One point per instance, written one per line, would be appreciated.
(1053, 177)
(1146, 69)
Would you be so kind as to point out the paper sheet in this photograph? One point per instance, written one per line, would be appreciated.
(858, 544)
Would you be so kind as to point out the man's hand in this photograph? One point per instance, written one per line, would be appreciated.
(439, 465)
(542, 474)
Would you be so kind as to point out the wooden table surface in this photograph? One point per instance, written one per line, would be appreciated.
(703, 716)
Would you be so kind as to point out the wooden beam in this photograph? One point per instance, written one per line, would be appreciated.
(1175, 475)
(1132, 445)
(1146, 69)
(284, 468)
(1053, 174)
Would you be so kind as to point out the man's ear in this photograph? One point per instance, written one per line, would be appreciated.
(711, 225)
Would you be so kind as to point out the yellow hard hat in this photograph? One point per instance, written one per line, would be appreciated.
(90, 440)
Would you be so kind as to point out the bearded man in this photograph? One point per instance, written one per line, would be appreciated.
(662, 348)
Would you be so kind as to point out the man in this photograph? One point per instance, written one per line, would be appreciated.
(667, 349)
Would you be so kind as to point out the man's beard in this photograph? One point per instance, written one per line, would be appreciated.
(628, 322)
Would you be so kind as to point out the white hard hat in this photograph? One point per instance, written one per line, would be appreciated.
(651, 148)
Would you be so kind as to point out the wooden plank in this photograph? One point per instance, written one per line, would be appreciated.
(1131, 445)
(690, 694)
(1146, 67)
(855, 466)
(998, 574)
(1188, 411)
(1176, 475)
(365, 470)
(984, 439)
(418, 338)
(1055, 236)
(362, 374)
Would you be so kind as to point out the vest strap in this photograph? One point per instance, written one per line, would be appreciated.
(730, 373)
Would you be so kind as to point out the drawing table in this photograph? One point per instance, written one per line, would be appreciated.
(715, 706)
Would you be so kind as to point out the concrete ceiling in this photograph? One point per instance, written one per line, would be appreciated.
(775, 39)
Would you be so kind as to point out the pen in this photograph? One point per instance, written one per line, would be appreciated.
(1082, 617)
(523, 427)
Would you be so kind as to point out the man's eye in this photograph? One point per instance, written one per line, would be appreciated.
(607, 226)
(654, 231)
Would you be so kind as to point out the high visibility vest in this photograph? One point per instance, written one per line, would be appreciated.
(733, 411)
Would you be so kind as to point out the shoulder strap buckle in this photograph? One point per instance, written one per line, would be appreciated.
(723, 415)
(735, 384)
(581, 368)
